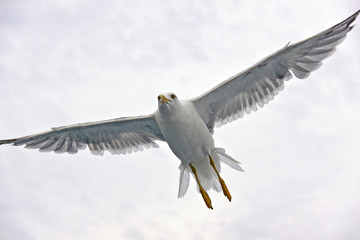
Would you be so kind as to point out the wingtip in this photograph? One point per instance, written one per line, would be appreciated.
(349, 20)
(353, 17)
(7, 141)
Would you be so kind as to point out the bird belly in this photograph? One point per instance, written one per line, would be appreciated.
(187, 135)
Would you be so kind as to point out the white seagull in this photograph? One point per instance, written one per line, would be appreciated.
(187, 125)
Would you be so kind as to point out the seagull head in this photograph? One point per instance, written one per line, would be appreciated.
(167, 99)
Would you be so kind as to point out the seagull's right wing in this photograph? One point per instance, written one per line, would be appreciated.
(118, 136)
(257, 85)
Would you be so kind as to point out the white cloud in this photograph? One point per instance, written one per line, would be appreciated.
(63, 62)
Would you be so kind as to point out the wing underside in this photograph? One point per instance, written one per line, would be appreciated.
(256, 86)
(118, 136)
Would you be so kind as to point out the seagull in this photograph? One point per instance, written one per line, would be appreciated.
(188, 125)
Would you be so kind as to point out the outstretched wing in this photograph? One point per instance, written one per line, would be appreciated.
(259, 84)
(118, 136)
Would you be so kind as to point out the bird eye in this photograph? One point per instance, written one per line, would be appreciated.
(173, 96)
(159, 98)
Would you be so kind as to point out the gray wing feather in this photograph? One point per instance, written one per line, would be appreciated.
(256, 86)
(118, 136)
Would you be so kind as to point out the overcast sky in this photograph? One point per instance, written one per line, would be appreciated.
(64, 62)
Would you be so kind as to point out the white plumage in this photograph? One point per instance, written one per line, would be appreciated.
(187, 125)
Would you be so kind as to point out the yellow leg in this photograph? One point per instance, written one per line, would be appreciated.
(202, 191)
(222, 182)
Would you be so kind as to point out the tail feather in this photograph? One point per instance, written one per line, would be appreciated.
(184, 179)
(228, 160)
(206, 173)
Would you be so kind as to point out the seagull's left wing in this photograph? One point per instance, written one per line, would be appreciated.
(257, 85)
(118, 136)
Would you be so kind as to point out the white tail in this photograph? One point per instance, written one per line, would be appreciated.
(206, 173)
(228, 160)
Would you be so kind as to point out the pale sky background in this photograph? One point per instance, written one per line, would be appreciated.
(65, 61)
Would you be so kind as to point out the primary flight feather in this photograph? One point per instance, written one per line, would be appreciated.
(187, 125)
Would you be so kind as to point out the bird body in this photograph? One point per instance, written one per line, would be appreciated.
(185, 132)
(190, 140)
(187, 125)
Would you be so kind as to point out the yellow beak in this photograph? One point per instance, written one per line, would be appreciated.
(163, 99)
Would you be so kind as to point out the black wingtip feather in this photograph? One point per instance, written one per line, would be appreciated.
(352, 18)
(347, 21)
(8, 141)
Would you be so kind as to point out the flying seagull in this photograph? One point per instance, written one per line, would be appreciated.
(187, 125)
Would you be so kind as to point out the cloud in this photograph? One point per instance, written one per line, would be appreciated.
(64, 62)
